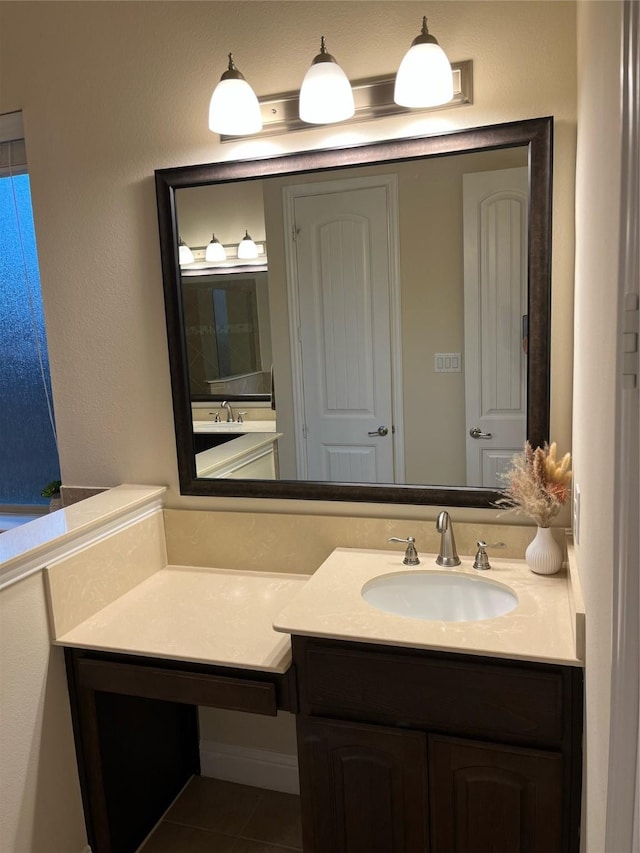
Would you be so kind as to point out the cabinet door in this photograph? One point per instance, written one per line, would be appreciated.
(363, 788)
(486, 798)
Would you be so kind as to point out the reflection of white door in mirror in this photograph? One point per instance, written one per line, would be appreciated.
(342, 278)
(495, 308)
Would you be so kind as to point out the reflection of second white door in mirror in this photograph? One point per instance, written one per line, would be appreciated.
(430, 225)
(496, 320)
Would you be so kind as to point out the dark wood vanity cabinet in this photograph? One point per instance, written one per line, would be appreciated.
(136, 732)
(403, 751)
(400, 750)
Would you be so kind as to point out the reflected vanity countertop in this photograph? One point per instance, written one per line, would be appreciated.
(545, 626)
(221, 617)
(212, 462)
(243, 428)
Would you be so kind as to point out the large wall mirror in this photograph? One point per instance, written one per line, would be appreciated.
(389, 339)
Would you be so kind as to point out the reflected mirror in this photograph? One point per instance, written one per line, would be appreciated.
(390, 340)
(228, 335)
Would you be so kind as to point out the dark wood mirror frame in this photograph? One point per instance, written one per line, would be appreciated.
(536, 134)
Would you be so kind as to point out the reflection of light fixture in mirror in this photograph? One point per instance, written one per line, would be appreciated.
(185, 255)
(234, 109)
(325, 94)
(215, 251)
(247, 248)
(424, 76)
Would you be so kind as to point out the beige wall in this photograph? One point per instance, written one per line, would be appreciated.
(226, 209)
(40, 806)
(597, 246)
(111, 91)
(271, 734)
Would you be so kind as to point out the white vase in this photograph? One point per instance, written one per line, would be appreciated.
(543, 554)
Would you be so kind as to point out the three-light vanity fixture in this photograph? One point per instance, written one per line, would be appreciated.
(215, 252)
(424, 79)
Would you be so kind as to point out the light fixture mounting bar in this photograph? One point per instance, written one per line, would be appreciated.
(373, 97)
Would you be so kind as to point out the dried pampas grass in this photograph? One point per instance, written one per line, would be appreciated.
(537, 484)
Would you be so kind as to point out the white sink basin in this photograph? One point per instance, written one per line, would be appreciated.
(439, 596)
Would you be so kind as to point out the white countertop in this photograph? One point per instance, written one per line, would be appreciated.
(209, 463)
(225, 428)
(27, 548)
(541, 627)
(241, 619)
(214, 616)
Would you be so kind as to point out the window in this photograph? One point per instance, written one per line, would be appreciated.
(28, 451)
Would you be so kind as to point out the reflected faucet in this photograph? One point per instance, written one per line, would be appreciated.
(448, 555)
(226, 405)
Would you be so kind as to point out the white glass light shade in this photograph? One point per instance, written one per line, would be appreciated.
(215, 251)
(424, 78)
(247, 248)
(326, 95)
(234, 109)
(185, 255)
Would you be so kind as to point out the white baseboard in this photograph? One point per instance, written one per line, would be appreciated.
(258, 767)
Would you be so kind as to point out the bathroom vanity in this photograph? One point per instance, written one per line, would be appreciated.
(413, 736)
(232, 450)
(139, 667)
(425, 735)
(252, 455)
(401, 750)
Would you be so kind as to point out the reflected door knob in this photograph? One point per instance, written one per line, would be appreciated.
(382, 430)
(476, 432)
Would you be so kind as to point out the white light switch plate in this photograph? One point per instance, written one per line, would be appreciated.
(447, 362)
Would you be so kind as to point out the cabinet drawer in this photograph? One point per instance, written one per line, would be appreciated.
(441, 692)
(237, 694)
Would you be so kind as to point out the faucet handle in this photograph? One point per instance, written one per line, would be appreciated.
(216, 418)
(410, 555)
(481, 561)
(241, 417)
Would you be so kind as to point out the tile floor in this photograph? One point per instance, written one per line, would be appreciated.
(212, 816)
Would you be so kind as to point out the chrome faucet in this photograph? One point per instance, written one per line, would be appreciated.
(226, 405)
(448, 555)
